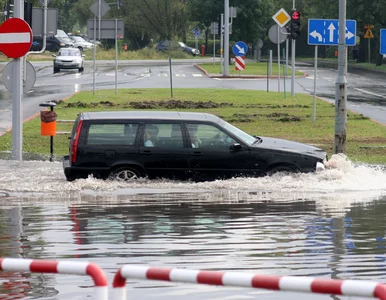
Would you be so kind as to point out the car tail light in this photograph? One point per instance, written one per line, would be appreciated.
(74, 149)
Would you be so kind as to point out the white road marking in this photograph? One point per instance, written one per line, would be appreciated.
(180, 75)
(163, 74)
(197, 75)
(370, 93)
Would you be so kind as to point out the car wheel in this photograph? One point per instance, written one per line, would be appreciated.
(127, 173)
(281, 169)
(81, 69)
(56, 70)
(80, 48)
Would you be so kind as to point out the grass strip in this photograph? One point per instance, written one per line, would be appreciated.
(256, 112)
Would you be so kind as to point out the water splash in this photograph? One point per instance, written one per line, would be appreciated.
(44, 177)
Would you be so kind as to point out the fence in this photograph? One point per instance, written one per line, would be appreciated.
(60, 267)
(238, 279)
(356, 288)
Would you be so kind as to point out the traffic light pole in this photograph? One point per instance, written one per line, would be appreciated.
(341, 85)
(293, 47)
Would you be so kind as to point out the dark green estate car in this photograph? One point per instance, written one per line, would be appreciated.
(126, 145)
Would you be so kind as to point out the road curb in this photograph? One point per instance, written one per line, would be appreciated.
(243, 76)
(33, 116)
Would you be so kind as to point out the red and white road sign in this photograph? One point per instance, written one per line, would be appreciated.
(15, 37)
(240, 63)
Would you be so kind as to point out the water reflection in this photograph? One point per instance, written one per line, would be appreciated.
(327, 224)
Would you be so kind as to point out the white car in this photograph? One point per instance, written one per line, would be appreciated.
(68, 58)
(81, 43)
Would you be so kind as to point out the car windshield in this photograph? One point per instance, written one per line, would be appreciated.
(78, 39)
(245, 137)
(182, 44)
(61, 33)
(69, 52)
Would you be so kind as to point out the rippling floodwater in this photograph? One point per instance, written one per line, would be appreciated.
(329, 224)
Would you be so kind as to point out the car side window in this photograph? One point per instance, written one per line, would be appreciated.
(112, 134)
(163, 136)
(208, 137)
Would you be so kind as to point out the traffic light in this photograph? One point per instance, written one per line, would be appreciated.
(295, 24)
(28, 13)
(8, 10)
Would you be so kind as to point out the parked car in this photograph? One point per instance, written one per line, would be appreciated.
(81, 43)
(69, 58)
(126, 145)
(53, 43)
(171, 45)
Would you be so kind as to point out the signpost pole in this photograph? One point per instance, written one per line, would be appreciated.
(341, 85)
(226, 37)
(286, 56)
(315, 70)
(285, 93)
(17, 96)
(214, 43)
(268, 70)
(116, 56)
(368, 45)
(278, 58)
(221, 44)
(99, 18)
(171, 77)
(94, 57)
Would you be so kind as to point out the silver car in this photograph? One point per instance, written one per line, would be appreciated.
(81, 43)
(68, 58)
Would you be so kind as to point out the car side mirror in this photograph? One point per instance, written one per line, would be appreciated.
(236, 147)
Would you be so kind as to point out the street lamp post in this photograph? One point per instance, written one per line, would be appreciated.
(341, 85)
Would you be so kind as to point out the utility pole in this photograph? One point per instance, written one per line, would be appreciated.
(226, 37)
(341, 85)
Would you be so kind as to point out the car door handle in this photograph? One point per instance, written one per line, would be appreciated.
(196, 153)
(146, 152)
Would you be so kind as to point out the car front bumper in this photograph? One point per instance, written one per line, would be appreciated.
(68, 65)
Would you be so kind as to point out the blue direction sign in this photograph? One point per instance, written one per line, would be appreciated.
(326, 32)
(196, 31)
(240, 49)
(382, 35)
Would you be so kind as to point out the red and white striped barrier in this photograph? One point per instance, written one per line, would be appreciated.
(237, 279)
(60, 267)
(240, 63)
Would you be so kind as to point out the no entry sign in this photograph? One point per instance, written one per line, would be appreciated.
(240, 63)
(15, 37)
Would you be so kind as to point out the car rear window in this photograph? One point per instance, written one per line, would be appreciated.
(112, 134)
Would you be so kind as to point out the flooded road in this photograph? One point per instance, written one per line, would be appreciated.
(329, 224)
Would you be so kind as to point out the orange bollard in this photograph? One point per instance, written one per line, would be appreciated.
(48, 123)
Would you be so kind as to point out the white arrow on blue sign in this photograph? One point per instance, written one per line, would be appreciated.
(240, 49)
(326, 32)
(382, 36)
